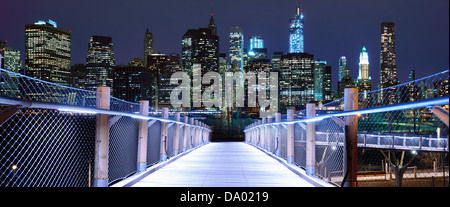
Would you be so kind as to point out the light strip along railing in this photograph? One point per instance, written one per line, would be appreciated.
(418, 104)
(256, 132)
(82, 109)
(53, 144)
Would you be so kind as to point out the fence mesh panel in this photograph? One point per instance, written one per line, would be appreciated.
(41, 147)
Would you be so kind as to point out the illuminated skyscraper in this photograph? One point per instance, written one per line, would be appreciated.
(388, 66)
(256, 41)
(345, 80)
(322, 81)
(100, 62)
(10, 59)
(256, 47)
(364, 81)
(296, 77)
(201, 46)
(296, 32)
(236, 49)
(47, 52)
(148, 46)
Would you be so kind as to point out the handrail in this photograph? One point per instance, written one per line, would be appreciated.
(394, 107)
(85, 109)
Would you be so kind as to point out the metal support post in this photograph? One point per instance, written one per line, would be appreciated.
(351, 123)
(263, 133)
(269, 134)
(310, 140)
(176, 135)
(142, 140)
(191, 134)
(185, 133)
(163, 153)
(290, 137)
(196, 133)
(102, 139)
(278, 134)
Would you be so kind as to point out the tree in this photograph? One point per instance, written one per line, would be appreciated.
(398, 167)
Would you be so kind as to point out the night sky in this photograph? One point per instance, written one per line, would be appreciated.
(332, 28)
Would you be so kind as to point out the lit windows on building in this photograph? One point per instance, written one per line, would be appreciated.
(100, 62)
(388, 65)
(296, 40)
(47, 52)
(236, 49)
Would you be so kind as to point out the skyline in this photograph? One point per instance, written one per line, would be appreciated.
(338, 29)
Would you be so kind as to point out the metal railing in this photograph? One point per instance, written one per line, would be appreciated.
(369, 129)
(52, 135)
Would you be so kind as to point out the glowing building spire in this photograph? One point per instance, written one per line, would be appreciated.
(296, 44)
(363, 64)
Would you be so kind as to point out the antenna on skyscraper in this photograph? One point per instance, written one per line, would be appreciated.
(212, 9)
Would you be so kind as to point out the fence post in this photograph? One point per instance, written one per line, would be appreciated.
(102, 139)
(263, 133)
(351, 123)
(290, 137)
(185, 134)
(191, 135)
(142, 140)
(269, 133)
(163, 153)
(278, 136)
(310, 140)
(176, 135)
(196, 129)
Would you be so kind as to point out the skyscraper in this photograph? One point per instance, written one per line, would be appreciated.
(236, 49)
(100, 62)
(133, 83)
(10, 58)
(388, 66)
(322, 81)
(148, 46)
(296, 80)
(201, 46)
(47, 52)
(345, 80)
(256, 47)
(364, 81)
(296, 32)
(171, 66)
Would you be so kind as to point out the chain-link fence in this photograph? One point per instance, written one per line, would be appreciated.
(401, 141)
(51, 146)
(41, 147)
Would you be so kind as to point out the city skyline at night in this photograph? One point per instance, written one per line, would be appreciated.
(332, 28)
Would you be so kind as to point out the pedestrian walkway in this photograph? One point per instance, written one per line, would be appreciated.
(224, 164)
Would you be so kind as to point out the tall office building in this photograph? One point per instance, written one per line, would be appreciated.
(364, 81)
(201, 46)
(255, 41)
(148, 46)
(296, 41)
(388, 66)
(156, 64)
(296, 79)
(236, 49)
(78, 76)
(47, 52)
(133, 83)
(256, 48)
(344, 79)
(322, 81)
(171, 66)
(100, 62)
(10, 58)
